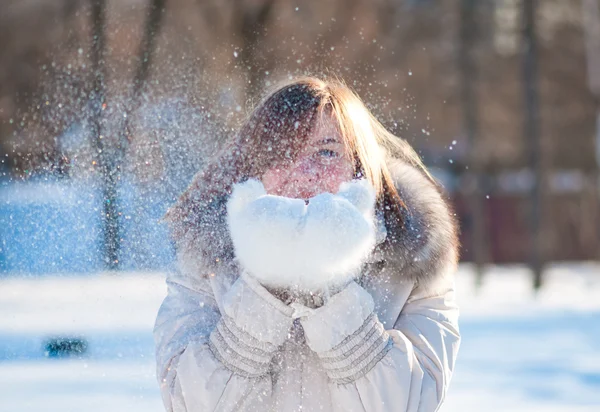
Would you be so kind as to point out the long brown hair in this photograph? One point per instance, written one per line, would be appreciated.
(277, 129)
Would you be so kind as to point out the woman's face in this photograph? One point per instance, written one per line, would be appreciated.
(321, 166)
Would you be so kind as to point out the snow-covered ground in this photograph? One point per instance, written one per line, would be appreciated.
(520, 352)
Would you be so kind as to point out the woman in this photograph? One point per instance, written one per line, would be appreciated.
(316, 262)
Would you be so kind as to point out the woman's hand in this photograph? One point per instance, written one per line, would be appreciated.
(302, 248)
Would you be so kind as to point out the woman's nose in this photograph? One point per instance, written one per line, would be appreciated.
(303, 181)
(306, 168)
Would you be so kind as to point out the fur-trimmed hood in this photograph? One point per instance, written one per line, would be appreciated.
(426, 247)
(423, 249)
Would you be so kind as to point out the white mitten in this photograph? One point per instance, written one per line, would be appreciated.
(285, 243)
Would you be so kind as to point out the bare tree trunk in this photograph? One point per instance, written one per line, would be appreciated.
(110, 157)
(468, 73)
(591, 24)
(152, 28)
(110, 226)
(532, 136)
(252, 21)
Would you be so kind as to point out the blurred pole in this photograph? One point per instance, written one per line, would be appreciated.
(590, 10)
(468, 72)
(532, 136)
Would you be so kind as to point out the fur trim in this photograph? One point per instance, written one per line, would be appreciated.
(290, 244)
(424, 249)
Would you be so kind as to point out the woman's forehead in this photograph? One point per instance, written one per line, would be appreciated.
(326, 131)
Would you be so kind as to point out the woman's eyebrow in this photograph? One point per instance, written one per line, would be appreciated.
(328, 141)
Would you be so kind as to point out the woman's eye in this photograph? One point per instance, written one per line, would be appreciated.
(328, 154)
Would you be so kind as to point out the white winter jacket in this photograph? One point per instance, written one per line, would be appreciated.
(386, 342)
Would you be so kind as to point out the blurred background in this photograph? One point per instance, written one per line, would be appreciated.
(108, 108)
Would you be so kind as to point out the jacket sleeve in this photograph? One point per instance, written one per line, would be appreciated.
(407, 368)
(211, 359)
